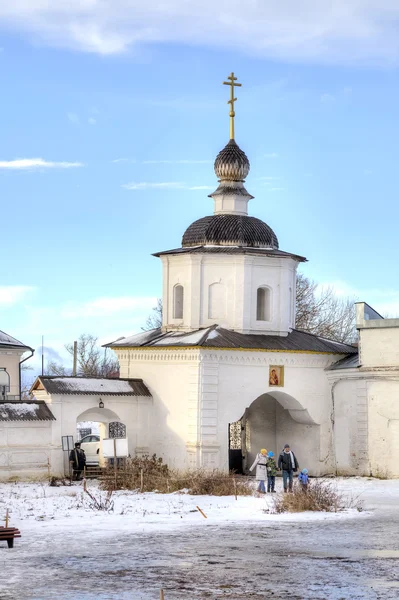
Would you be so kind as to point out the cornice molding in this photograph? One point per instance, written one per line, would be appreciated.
(227, 356)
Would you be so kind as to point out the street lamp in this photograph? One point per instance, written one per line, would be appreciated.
(101, 404)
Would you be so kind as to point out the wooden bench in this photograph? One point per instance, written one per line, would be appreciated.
(8, 534)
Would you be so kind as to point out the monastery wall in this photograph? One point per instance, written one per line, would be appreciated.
(379, 347)
(300, 411)
(25, 448)
(172, 377)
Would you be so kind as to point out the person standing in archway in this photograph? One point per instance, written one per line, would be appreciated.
(261, 472)
(288, 464)
(77, 458)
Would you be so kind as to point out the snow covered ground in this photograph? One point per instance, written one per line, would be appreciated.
(32, 504)
(66, 546)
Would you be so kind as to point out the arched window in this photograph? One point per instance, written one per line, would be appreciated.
(4, 382)
(178, 297)
(263, 309)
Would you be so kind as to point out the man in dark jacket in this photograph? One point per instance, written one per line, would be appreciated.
(77, 459)
(288, 463)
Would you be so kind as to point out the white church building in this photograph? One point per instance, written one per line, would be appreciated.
(228, 373)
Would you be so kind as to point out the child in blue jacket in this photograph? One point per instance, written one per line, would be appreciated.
(303, 479)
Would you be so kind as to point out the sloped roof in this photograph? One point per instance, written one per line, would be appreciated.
(25, 411)
(218, 337)
(349, 362)
(98, 386)
(214, 249)
(7, 341)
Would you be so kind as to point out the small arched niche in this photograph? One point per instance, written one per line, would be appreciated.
(263, 304)
(178, 299)
(216, 301)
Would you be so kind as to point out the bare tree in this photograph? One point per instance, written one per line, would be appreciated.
(26, 381)
(154, 320)
(318, 310)
(92, 360)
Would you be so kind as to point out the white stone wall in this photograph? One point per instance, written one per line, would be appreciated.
(174, 382)
(222, 289)
(68, 409)
(383, 418)
(197, 393)
(379, 347)
(25, 449)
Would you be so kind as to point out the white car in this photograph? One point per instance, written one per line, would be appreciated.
(91, 445)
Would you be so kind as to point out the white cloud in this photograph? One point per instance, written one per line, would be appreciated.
(13, 294)
(277, 189)
(176, 162)
(91, 121)
(267, 178)
(108, 306)
(345, 32)
(271, 155)
(73, 117)
(36, 163)
(163, 185)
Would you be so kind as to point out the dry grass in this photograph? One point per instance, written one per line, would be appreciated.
(321, 496)
(150, 474)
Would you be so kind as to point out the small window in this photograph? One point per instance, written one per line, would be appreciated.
(178, 297)
(263, 304)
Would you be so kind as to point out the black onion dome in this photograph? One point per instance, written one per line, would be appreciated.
(230, 230)
(231, 163)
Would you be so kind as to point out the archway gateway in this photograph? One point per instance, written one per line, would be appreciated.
(272, 420)
(108, 425)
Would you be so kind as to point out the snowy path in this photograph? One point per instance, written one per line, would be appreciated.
(152, 541)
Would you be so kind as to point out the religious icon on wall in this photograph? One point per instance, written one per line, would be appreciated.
(276, 376)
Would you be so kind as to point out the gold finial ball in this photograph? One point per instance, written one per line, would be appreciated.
(231, 163)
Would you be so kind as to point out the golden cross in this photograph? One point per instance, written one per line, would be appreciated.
(232, 85)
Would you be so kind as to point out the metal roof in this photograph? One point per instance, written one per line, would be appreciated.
(98, 386)
(349, 362)
(227, 229)
(218, 337)
(7, 341)
(25, 411)
(210, 249)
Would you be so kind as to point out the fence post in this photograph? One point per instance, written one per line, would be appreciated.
(115, 466)
(7, 517)
(161, 595)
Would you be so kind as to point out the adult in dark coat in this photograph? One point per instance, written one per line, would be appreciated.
(77, 459)
(288, 463)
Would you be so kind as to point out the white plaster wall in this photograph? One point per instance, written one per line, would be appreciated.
(173, 380)
(379, 347)
(25, 448)
(9, 359)
(240, 277)
(383, 410)
(134, 412)
(306, 385)
(262, 427)
(197, 393)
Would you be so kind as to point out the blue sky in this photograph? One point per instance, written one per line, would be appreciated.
(112, 115)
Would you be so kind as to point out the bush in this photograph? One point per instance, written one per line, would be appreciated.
(321, 496)
(150, 474)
